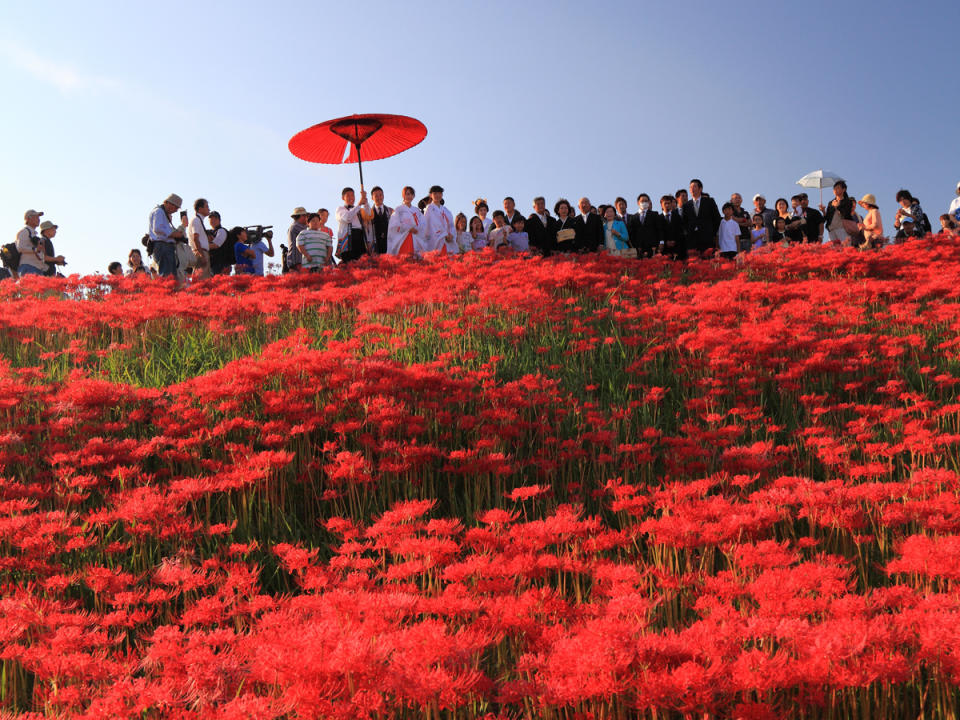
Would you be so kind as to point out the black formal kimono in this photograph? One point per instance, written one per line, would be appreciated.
(560, 225)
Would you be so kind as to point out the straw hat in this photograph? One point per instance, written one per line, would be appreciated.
(298, 211)
(869, 199)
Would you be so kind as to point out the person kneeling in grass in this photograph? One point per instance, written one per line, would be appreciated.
(314, 244)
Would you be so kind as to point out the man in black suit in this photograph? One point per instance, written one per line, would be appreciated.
(620, 211)
(540, 227)
(679, 200)
(644, 228)
(510, 210)
(671, 229)
(589, 228)
(380, 220)
(701, 219)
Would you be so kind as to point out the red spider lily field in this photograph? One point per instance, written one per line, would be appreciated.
(487, 487)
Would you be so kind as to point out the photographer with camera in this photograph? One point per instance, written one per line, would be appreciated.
(164, 236)
(249, 249)
(29, 248)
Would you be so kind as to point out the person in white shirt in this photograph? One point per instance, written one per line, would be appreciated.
(729, 233)
(405, 226)
(30, 245)
(955, 206)
(438, 221)
(197, 237)
(351, 236)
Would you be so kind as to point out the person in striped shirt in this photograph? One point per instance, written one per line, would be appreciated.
(314, 244)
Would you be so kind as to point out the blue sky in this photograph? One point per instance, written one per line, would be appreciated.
(110, 106)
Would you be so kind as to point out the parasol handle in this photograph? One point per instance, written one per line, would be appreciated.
(356, 131)
(360, 165)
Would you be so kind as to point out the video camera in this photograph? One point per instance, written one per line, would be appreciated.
(256, 233)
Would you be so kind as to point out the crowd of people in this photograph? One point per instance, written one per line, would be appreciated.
(688, 223)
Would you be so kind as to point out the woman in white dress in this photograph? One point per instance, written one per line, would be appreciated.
(403, 230)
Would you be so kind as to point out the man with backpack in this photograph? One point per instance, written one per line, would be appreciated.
(29, 248)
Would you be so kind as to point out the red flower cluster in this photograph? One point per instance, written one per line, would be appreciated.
(487, 487)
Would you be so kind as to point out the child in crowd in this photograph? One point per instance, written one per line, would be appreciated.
(324, 214)
(115, 268)
(518, 239)
(949, 226)
(243, 254)
(460, 242)
(729, 233)
(499, 232)
(314, 244)
(615, 235)
(478, 236)
(779, 230)
(759, 236)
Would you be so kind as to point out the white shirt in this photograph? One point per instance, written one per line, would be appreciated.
(729, 233)
(346, 220)
(405, 220)
(438, 223)
(196, 228)
(219, 237)
(955, 207)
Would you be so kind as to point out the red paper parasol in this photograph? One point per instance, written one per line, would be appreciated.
(380, 135)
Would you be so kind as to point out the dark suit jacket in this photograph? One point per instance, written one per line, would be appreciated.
(380, 222)
(672, 232)
(589, 232)
(516, 214)
(543, 237)
(645, 236)
(702, 227)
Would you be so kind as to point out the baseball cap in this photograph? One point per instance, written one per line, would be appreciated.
(32, 213)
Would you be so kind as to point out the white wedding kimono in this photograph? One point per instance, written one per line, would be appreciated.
(405, 220)
(439, 223)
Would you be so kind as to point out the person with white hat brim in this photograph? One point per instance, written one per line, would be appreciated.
(28, 245)
(872, 225)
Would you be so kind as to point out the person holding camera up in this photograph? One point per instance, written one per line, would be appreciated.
(164, 236)
(47, 232)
